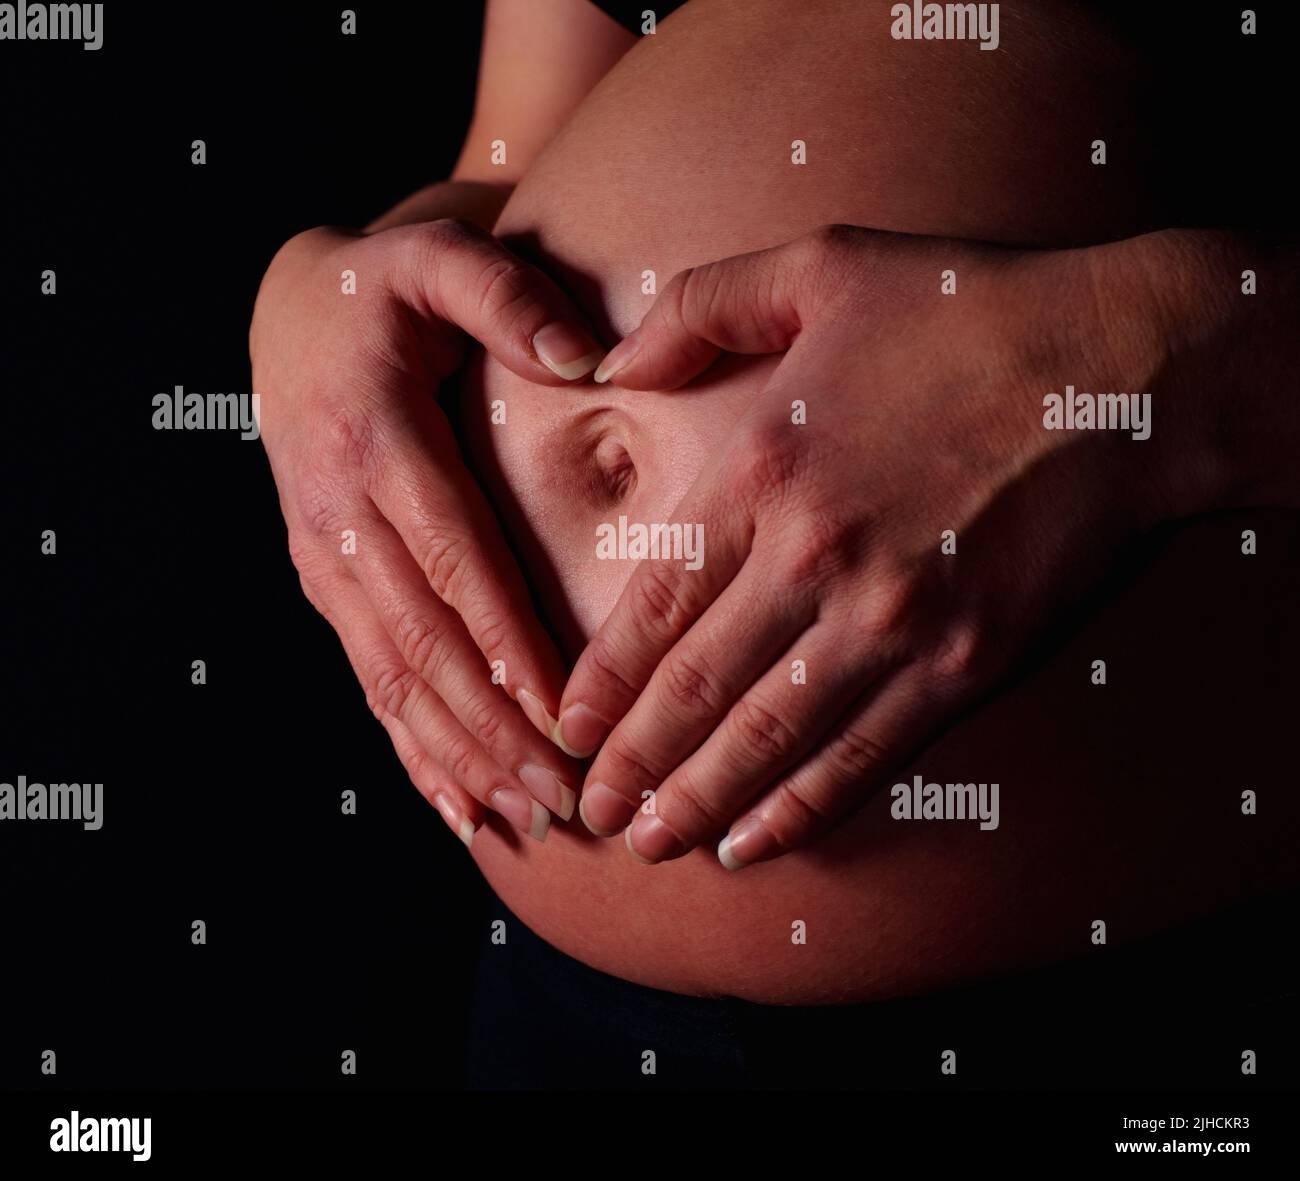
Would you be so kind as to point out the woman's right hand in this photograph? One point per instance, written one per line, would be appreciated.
(393, 540)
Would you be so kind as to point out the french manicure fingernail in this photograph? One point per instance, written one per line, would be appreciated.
(456, 820)
(616, 359)
(535, 711)
(750, 841)
(603, 810)
(565, 351)
(650, 840)
(547, 788)
(579, 731)
(524, 812)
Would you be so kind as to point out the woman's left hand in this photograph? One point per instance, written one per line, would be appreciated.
(891, 526)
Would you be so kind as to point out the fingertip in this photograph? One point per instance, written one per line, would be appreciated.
(627, 841)
(566, 351)
(749, 841)
(521, 811)
(454, 818)
(618, 358)
(536, 712)
(547, 787)
(725, 855)
(541, 822)
(573, 753)
(572, 370)
(579, 731)
(596, 830)
(651, 841)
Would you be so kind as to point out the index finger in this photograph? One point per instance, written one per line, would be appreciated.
(431, 499)
(664, 596)
(754, 303)
(453, 271)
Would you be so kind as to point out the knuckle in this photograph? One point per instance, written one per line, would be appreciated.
(891, 614)
(673, 295)
(446, 564)
(347, 439)
(962, 657)
(688, 305)
(419, 639)
(698, 291)
(458, 756)
(414, 760)
(316, 600)
(854, 756)
(692, 810)
(767, 462)
(602, 668)
(393, 687)
(316, 502)
(306, 556)
(689, 686)
(659, 604)
(491, 634)
(302, 552)
(503, 291)
(827, 543)
(762, 734)
(803, 807)
(628, 766)
(485, 723)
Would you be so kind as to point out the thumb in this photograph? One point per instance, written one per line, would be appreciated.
(751, 303)
(456, 272)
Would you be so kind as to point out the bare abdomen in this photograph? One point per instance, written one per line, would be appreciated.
(682, 155)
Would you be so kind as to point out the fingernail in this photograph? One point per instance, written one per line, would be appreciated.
(565, 351)
(546, 786)
(579, 731)
(456, 820)
(748, 842)
(535, 711)
(616, 359)
(650, 840)
(603, 810)
(524, 812)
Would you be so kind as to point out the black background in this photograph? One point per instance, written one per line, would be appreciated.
(325, 932)
(222, 801)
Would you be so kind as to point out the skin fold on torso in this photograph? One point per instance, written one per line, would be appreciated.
(683, 154)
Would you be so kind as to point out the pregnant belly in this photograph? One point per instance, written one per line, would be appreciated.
(741, 125)
(684, 154)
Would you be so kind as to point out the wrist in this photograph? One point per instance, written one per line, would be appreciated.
(1215, 360)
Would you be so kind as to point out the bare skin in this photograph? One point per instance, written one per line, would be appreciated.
(1099, 784)
(431, 611)
(679, 156)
